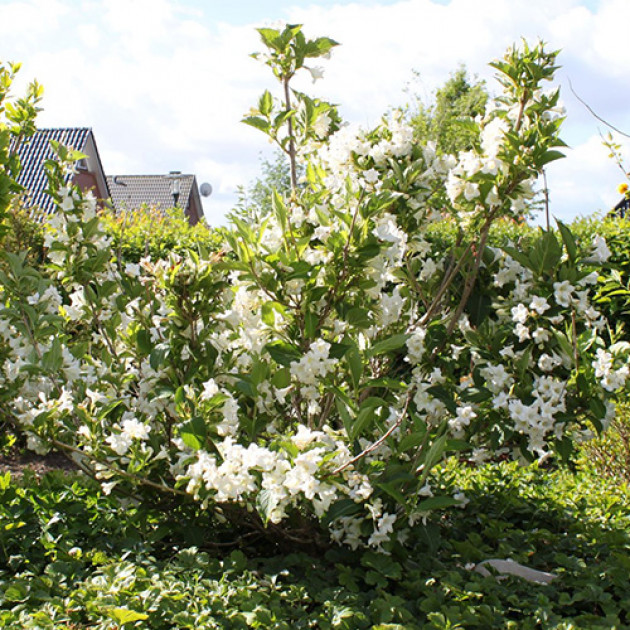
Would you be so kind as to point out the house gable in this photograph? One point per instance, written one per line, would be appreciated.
(34, 152)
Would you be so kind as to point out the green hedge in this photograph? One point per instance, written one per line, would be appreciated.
(152, 232)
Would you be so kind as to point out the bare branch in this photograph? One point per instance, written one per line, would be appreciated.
(590, 109)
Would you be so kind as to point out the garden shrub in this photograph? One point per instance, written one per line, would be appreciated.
(322, 370)
(19, 232)
(609, 453)
(151, 232)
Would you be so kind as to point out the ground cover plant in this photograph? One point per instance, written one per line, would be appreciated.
(72, 557)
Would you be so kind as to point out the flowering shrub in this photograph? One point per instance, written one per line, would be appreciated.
(328, 363)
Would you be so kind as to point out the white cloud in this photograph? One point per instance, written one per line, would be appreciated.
(165, 83)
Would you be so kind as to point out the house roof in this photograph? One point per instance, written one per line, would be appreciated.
(132, 191)
(34, 151)
(621, 209)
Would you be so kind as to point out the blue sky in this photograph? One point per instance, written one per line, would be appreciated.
(165, 83)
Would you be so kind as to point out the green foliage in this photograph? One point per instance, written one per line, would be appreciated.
(19, 232)
(608, 454)
(254, 200)
(17, 123)
(72, 557)
(614, 287)
(152, 232)
(447, 121)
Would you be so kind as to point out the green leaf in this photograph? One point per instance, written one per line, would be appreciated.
(547, 252)
(436, 503)
(366, 416)
(311, 323)
(343, 507)
(550, 156)
(143, 341)
(194, 433)
(282, 378)
(355, 363)
(359, 317)
(158, 355)
(434, 455)
(568, 239)
(279, 208)
(264, 505)
(269, 37)
(124, 615)
(395, 342)
(257, 122)
(338, 350)
(519, 257)
(283, 353)
(268, 312)
(411, 441)
(265, 103)
(346, 418)
(53, 359)
(320, 46)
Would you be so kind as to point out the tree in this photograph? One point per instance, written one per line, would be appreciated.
(447, 121)
(254, 200)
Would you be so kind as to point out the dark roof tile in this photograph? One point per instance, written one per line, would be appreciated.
(34, 151)
(129, 192)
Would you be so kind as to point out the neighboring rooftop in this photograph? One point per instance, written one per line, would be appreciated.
(34, 151)
(129, 192)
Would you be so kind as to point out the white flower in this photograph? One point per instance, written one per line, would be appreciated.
(539, 304)
(522, 332)
(547, 362)
(383, 528)
(304, 436)
(119, 442)
(370, 176)
(600, 251)
(471, 191)
(562, 292)
(464, 415)
(497, 378)
(317, 72)
(519, 313)
(210, 388)
(321, 126)
(415, 345)
(135, 429)
(540, 336)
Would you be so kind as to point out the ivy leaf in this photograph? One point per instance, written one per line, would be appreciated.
(124, 616)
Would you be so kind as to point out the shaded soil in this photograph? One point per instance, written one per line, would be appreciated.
(18, 462)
